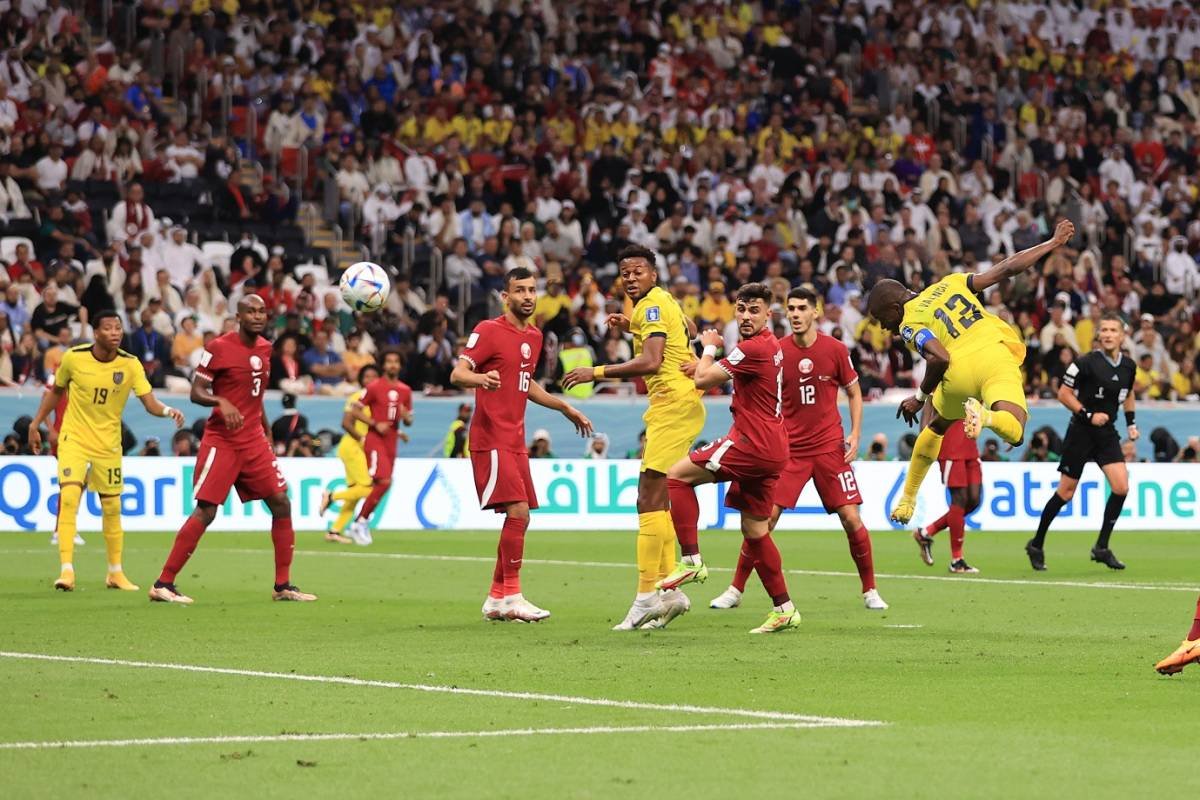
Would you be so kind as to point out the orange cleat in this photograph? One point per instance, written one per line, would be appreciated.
(1186, 653)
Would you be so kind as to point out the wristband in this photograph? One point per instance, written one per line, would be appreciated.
(710, 350)
(1129, 419)
(921, 396)
(597, 373)
(166, 411)
(1085, 415)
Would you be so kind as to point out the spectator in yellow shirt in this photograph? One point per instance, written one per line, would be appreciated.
(716, 311)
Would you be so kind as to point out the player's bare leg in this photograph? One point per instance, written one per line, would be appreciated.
(1005, 418)
(1187, 653)
(925, 452)
(756, 533)
(69, 497)
(682, 481)
(859, 539)
(283, 538)
(655, 550)
(114, 543)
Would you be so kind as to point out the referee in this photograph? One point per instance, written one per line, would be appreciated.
(1092, 388)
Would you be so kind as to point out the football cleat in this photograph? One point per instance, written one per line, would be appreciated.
(167, 593)
(1037, 556)
(360, 532)
(1186, 653)
(117, 580)
(975, 418)
(66, 580)
(326, 502)
(677, 604)
(904, 509)
(641, 612)
(334, 536)
(79, 542)
(683, 574)
(292, 593)
(961, 567)
(518, 609)
(925, 543)
(493, 609)
(873, 601)
(1108, 558)
(778, 621)
(730, 598)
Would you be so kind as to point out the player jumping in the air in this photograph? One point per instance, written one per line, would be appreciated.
(963, 476)
(814, 366)
(235, 451)
(356, 421)
(1092, 388)
(499, 362)
(389, 401)
(973, 358)
(98, 378)
(752, 455)
(673, 420)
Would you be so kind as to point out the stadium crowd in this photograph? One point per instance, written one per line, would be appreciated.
(824, 143)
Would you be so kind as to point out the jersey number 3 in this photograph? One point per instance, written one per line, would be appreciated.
(969, 316)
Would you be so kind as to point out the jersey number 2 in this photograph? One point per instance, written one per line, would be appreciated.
(969, 316)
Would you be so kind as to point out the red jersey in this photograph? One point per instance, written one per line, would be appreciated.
(756, 366)
(238, 373)
(497, 344)
(956, 446)
(811, 378)
(389, 401)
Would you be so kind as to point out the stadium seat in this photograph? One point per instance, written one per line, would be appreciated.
(8, 247)
(219, 253)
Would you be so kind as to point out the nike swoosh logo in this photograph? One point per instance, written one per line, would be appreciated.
(805, 380)
(526, 366)
(516, 561)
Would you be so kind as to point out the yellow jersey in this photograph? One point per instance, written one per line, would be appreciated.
(950, 311)
(658, 314)
(348, 445)
(96, 395)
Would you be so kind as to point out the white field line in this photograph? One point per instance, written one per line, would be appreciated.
(1154, 587)
(369, 737)
(807, 719)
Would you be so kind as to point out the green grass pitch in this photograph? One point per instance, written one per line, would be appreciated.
(1008, 684)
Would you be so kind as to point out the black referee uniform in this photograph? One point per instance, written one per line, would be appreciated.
(1101, 387)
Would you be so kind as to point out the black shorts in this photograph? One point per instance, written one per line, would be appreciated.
(1089, 443)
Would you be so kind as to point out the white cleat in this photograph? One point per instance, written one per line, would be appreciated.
(676, 604)
(873, 601)
(730, 598)
(360, 532)
(493, 609)
(79, 542)
(518, 609)
(642, 612)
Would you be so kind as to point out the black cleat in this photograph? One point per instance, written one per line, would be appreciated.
(1037, 556)
(961, 567)
(1103, 555)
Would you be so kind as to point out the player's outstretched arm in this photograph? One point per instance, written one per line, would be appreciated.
(464, 376)
(202, 395)
(537, 394)
(156, 407)
(648, 362)
(937, 361)
(50, 400)
(708, 374)
(1019, 262)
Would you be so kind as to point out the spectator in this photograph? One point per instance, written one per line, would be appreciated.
(52, 171)
(183, 444)
(596, 447)
(51, 317)
(877, 451)
(326, 367)
(540, 446)
(131, 217)
(457, 444)
(151, 347)
(289, 427)
(287, 369)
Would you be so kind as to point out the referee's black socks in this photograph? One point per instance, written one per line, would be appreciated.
(1112, 511)
(1053, 506)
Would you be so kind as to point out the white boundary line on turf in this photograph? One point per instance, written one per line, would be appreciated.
(367, 737)
(808, 719)
(1153, 587)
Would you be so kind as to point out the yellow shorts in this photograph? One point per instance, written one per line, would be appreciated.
(355, 462)
(989, 374)
(100, 472)
(671, 430)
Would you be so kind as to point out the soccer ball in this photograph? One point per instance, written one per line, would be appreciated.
(365, 286)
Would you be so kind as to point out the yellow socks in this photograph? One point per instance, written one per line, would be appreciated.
(68, 510)
(114, 536)
(349, 498)
(655, 548)
(1006, 425)
(924, 453)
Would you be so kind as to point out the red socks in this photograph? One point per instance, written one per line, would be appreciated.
(860, 551)
(511, 553)
(685, 514)
(378, 490)
(957, 525)
(745, 566)
(497, 590)
(284, 539)
(185, 544)
(769, 565)
(1194, 633)
(938, 524)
